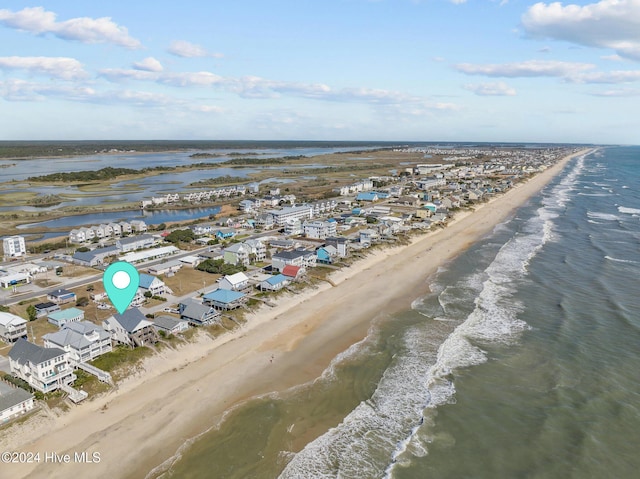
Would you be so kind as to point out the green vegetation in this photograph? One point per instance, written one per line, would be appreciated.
(219, 267)
(4, 309)
(22, 384)
(45, 200)
(221, 180)
(121, 356)
(31, 312)
(46, 247)
(102, 174)
(177, 236)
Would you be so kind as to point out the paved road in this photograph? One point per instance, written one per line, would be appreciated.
(97, 277)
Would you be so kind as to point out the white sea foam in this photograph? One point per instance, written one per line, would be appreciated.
(618, 260)
(602, 216)
(630, 211)
(392, 422)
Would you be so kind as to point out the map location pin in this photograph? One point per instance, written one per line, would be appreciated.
(121, 281)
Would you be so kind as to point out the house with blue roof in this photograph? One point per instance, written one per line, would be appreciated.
(367, 196)
(274, 283)
(152, 284)
(224, 299)
(326, 254)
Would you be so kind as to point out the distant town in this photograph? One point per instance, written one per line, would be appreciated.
(62, 341)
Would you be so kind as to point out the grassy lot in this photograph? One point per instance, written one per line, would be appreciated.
(189, 280)
(89, 383)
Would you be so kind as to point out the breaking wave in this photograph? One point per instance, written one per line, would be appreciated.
(385, 430)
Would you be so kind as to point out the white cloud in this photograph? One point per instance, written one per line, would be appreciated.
(530, 68)
(149, 64)
(117, 74)
(38, 21)
(56, 67)
(623, 92)
(613, 24)
(613, 58)
(182, 48)
(22, 90)
(491, 89)
(619, 76)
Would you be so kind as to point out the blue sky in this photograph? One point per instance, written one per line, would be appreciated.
(423, 70)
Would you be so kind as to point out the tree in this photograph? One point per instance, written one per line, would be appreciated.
(82, 249)
(82, 301)
(148, 294)
(177, 236)
(31, 312)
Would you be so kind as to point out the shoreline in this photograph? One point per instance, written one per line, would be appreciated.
(148, 418)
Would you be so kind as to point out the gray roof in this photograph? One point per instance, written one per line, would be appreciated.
(23, 351)
(290, 254)
(135, 239)
(196, 310)
(166, 322)
(89, 256)
(130, 319)
(73, 334)
(10, 396)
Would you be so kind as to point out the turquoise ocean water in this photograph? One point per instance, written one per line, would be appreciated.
(523, 361)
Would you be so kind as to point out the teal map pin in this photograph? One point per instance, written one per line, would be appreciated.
(121, 281)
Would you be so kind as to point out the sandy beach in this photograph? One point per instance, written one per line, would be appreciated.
(183, 392)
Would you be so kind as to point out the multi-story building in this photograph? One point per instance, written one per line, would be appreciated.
(84, 341)
(300, 213)
(319, 229)
(14, 247)
(44, 369)
(12, 327)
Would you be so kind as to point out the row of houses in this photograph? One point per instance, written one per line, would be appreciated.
(85, 234)
(99, 256)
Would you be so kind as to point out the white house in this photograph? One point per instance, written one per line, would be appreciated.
(84, 341)
(44, 369)
(234, 282)
(130, 328)
(14, 246)
(135, 242)
(138, 226)
(14, 402)
(319, 229)
(152, 284)
(291, 212)
(12, 327)
(257, 249)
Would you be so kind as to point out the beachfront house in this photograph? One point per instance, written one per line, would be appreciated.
(340, 244)
(44, 369)
(368, 237)
(224, 299)
(70, 315)
(326, 254)
(83, 340)
(293, 272)
(131, 328)
(14, 402)
(61, 296)
(170, 325)
(196, 313)
(12, 327)
(274, 283)
(298, 257)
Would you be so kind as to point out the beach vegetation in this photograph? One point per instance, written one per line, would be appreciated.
(121, 358)
(21, 383)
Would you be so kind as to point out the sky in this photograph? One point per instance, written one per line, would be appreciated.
(393, 70)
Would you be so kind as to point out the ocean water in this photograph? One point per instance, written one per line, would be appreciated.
(522, 362)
